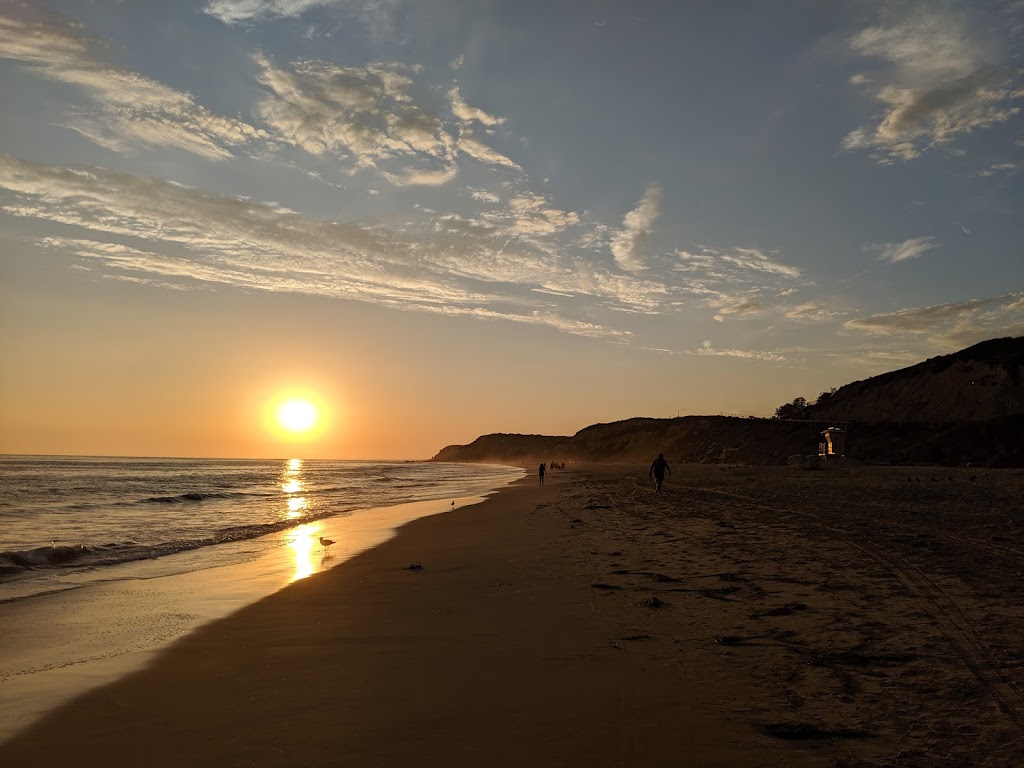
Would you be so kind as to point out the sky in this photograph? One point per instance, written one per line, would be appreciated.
(446, 218)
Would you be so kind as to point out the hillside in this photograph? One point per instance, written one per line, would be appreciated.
(929, 413)
(975, 384)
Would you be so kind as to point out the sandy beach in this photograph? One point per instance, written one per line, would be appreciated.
(744, 617)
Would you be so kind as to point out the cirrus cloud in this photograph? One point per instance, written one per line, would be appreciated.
(630, 244)
(123, 110)
(938, 82)
(902, 251)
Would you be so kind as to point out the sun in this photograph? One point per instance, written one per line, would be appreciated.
(297, 415)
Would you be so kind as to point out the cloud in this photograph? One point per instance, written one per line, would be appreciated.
(534, 216)
(469, 141)
(468, 114)
(942, 83)
(908, 249)
(482, 195)
(149, 229)
(125, 110)
(739, 283)
(630, 244)
(952, 324)
(472, 146)
(740, 307)
(237, 11)
(376, 14)
(362, 113)
(756, 260)
(741, 353)
(810, 311)
(995, 168)
(365, 115)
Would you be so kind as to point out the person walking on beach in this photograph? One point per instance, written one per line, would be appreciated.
(658, 468)
(540, 471)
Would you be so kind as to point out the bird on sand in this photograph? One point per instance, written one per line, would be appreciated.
(326, 544)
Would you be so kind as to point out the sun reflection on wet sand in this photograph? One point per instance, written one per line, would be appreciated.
(305, 548)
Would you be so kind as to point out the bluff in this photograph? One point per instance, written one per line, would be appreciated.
(953, 409)
(978, 383)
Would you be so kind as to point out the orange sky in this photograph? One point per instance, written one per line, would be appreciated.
(114, 368)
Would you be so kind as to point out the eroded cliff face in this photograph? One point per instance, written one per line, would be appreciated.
(503, 448)
(947, 410)
(975, 384)
(727, 440)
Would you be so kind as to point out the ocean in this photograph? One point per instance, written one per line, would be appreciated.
(66, 519)
(103, 561)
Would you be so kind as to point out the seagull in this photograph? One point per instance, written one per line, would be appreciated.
(326, 544)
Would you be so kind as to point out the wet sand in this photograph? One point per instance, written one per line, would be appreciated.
(745, 617)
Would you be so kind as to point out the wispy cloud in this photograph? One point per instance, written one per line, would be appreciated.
(360, 113)
(952, 324)
(908, 249)
(363, 116)
(475, 148)
(811, 311)
(738, 282)
(123, 110)
(756, 260)
(534, 215)
(141, 227)
(938, 83)
(630, 244)
(367, 115)
(996, 168)
(747, 354)
(235, 11)
(738, 306)
(376, 14)
(468, 114)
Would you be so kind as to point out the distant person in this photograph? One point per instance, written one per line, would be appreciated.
(658, 468)
(540, 471)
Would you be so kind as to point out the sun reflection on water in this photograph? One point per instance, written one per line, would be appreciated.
(296, 504)
(291, 484)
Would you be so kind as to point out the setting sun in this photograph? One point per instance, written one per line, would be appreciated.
(297, 415)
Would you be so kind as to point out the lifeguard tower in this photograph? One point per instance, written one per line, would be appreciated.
(833, 444)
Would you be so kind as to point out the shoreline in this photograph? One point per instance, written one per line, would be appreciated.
(745, 617)
(62, 643)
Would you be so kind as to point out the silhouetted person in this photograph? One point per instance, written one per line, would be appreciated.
(658, 468)
(540, 472)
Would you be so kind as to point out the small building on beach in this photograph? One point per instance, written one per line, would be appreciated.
(832, 444)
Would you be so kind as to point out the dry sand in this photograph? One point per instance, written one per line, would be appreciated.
(745, 617)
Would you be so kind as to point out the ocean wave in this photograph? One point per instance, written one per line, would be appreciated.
(84, 555)
(11, 562)
(181, 498)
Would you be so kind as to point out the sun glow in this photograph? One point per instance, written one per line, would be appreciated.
(297, 415)
(298, 419)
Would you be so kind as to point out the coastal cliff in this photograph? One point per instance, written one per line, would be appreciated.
(967, 407)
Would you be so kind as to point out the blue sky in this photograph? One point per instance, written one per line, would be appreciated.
(688, 207)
